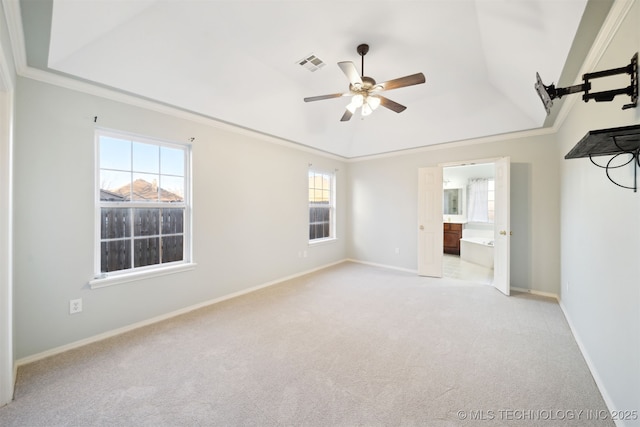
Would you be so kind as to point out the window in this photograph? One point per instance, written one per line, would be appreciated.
(143, 204)
(481, 200)
(321, 206)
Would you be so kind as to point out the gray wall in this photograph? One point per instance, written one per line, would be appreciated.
(384, 194)
(250, 216)
(600, 236)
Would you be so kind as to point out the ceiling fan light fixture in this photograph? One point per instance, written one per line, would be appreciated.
(356, 102)
(363, 89)
(373, 102)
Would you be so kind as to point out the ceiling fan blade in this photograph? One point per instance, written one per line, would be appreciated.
(321, 97)
(350, 70)
(413, 79)
(346, 116)
(392, 105)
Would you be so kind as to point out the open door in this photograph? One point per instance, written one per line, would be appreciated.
(430, 221)
(7, 378)
(502, 237)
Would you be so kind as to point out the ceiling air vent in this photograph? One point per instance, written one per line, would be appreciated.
(311, 62)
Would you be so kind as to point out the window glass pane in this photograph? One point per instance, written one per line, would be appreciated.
(115, 255)
(115, 153)
(171, 189)
(320, 205)
(115, 186)
(172, 248)
(146, 158)
(135, 171)
(171, 161)
(146, 251)
(115, 223)
(146, 222)
(172, 221)
(145, 187)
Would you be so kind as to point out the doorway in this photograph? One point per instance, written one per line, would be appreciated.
(431, 220)
(468, 219)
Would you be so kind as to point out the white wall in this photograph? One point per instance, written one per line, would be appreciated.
(600, 235)
(250, 216)
(384, 193)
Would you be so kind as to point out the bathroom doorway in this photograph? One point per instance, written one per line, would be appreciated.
(434, 222)
(468, 205)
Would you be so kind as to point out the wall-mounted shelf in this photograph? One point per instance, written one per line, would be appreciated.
(614, 142)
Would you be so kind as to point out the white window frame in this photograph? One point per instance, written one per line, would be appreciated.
(332, 208)
(102, 279)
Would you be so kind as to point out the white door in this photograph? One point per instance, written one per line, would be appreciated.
(502, 234)
(6, 299)
(430, 221)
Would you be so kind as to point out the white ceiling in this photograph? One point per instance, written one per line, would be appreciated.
(236, 61)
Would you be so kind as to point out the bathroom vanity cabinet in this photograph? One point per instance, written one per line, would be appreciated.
(452, 236)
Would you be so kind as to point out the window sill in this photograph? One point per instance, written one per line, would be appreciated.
(98, 283)
(322, 241)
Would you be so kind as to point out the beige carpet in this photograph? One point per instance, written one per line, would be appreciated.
(352, 345)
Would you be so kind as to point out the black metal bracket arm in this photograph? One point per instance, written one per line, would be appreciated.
(549, 93)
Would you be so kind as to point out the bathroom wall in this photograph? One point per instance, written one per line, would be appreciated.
(458, 177)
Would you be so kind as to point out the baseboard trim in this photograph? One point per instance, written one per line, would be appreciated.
(534, 292)
(592, 368)
(115, 332)
(390, 267)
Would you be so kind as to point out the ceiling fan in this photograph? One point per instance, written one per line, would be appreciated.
(365, 92)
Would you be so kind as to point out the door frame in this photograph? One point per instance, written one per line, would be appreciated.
(7, 369)
(426, 248)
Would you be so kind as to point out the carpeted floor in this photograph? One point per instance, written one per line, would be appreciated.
(351, 345)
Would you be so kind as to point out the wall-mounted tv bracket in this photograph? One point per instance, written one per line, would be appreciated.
(549, 93)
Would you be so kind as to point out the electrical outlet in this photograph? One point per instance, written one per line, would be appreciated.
(75, 306)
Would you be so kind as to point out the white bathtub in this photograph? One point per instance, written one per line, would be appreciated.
(478, 250)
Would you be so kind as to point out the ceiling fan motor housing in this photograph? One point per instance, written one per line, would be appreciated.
(367, 84)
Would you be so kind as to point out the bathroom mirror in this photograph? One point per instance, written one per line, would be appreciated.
(452, 201)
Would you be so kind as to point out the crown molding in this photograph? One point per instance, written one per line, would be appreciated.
(617, 14)
(13, 17)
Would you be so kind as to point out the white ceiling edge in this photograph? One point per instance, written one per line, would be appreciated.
(618, 12)
(614, 19)
(13, 17)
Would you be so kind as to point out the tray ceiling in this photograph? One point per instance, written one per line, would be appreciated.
(237, 61)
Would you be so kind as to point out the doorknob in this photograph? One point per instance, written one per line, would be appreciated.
(503, 233)
(422, 227)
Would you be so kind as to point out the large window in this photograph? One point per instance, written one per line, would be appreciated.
(143, 204)
(321, 206)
